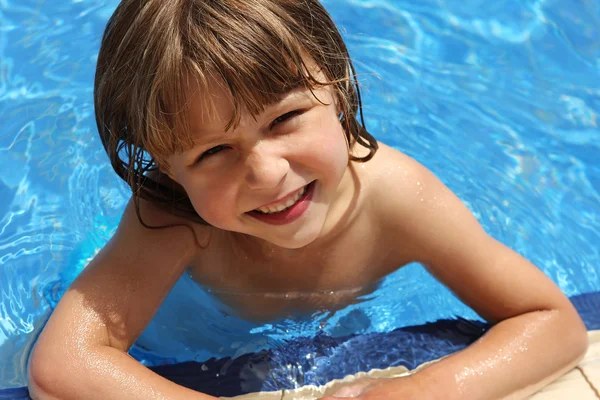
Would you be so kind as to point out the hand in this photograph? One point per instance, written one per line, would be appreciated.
(352, 390)
(405, 388)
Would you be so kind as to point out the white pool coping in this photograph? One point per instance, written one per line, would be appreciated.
(581, 383)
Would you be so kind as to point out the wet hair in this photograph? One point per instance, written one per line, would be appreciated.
(153, 51)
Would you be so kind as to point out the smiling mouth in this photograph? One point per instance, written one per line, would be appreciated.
(283, 206)
(288, 211)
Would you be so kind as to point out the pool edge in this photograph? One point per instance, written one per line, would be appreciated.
(582, 382)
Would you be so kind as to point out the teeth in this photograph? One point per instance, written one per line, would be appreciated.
(283, 206)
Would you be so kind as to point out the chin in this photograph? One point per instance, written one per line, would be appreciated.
(295, 242)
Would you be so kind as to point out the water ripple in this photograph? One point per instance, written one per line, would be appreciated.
(500, 99)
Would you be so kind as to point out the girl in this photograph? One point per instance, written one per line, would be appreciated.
(235, 124)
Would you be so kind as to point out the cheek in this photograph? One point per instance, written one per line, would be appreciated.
(211, 202)
(333, 149)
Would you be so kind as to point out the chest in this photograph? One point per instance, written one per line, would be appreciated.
(263, 283)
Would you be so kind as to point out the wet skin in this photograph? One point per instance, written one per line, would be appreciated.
(362, 222)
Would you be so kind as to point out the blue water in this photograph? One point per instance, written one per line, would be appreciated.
(500, 99)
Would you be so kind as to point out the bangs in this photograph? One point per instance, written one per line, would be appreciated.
(250, 52)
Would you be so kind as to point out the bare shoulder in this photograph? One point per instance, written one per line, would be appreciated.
(399, 184)
(117, 294)
(157, 250)
(153, 229)
(415, 207)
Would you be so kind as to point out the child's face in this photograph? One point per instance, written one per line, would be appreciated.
(295, 152)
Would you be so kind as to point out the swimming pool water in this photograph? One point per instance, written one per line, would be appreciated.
(500, 99)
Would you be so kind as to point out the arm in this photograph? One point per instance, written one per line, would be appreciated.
(81, 353)
(537, 334)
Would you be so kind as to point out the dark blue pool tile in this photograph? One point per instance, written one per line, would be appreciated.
(318, 360)
(14, 394)
(588, 306)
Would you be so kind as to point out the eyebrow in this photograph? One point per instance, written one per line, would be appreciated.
(214, 139)
(208, 138)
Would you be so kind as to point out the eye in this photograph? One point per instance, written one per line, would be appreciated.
(285, 117)
(210, 152)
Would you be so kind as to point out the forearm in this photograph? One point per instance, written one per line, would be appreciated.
(104, 373)
(516, 358)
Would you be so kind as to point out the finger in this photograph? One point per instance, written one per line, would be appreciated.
(348, 391)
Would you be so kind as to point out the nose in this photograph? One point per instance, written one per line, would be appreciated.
(265, 168)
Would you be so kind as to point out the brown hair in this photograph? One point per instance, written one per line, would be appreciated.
(151, 49)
